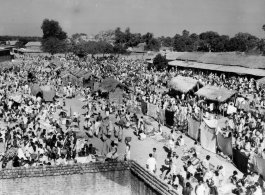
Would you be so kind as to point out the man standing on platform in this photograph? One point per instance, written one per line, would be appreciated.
(151, 164)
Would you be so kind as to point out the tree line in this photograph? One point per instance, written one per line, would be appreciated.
(212, 41)
(55, 40)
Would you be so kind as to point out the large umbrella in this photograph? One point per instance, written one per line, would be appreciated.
(48, 93)
(82, 135)
(35, 89)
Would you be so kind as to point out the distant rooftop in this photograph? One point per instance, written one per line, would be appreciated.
(12, 43)
(225, 58)
(6, 46)
(36, 43)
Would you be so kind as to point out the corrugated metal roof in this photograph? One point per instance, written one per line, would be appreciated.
(222, 68)
(174, 55)
(178, 63)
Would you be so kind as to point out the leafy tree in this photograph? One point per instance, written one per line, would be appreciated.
(177, 36)
(232, 44)
(127, 35)
(160, 62)
(78, 35)
(54, 45)
(53, 40)
(184, 43)
(167, 42)
(194, 37)
(14, 38)
(210, 39)
(79, 49)
(261, 46)
(185, 33)
(119, 36)
(160, 39)
(195, 41)
(105, 47)
(203, 46)
(51, 28)
(261, 43)
(152, 45)
(92, 47)
(134, 40)
(119, 49)
(108, 35)
(147, 37)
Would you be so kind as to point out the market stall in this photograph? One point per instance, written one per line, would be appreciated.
(216, 94)
(183, 84)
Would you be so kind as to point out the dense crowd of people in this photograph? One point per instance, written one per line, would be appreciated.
(38, 133)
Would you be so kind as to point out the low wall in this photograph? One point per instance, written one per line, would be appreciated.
(145, 183)
(112, 178)
(94, 179)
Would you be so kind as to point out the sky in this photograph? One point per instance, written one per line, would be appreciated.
(161, 17)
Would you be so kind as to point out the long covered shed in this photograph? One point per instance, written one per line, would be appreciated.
(221, 68)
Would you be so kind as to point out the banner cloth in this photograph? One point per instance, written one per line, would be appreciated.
(208, 136)
(151, 110)
(193, 128)
(225, 144)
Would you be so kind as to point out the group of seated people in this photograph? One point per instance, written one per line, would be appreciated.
(248, 183)
(196, 172)
(193, 171)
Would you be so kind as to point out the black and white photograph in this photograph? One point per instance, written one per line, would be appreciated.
(132, 97)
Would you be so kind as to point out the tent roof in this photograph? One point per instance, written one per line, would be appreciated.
(183, 84)
(57, 68)
(110, 84)
(88, 75)
(47, 88)
(78, 73)
(215, 93)
(68, 74)
(57, 62)
(35, 89)
(48, 92)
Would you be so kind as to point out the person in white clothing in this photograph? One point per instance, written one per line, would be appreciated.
(151, 164)
(258, 189)
(200, 188)
(180, 141)
(127, 150)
